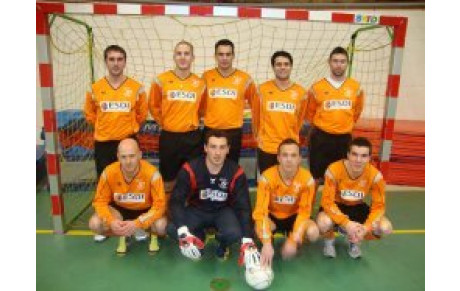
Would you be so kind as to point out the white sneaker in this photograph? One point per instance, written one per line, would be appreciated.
(99, 238)
(329, 249)
(354, 251)
(140, 235)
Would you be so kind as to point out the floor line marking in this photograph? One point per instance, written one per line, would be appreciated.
(90, 233)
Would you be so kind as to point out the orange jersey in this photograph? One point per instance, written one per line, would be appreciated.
(175, 103)
(144, 192)
(115, 113)
(282, 201)
(278, 115)
(340, 188)
(335, 110)
(225, 98)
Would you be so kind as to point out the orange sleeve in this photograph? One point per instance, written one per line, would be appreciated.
(90, 108)
(250, 91)
(102, 199)
(155, 97)
(255, 111)
(377, 202)
(359, 106)
(260, 213)
(303, 110)
(203, 102)
(328, 200)
(141, 107)
(158, 208)
(311, 106)
(304, 211)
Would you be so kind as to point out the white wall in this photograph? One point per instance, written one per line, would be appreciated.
(411, 104)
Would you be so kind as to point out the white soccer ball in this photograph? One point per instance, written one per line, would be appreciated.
(259, 278)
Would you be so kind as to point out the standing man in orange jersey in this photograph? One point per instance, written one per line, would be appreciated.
(278, 112)
(175, 101)
(116, 107)
(227, 89)
(334, 105)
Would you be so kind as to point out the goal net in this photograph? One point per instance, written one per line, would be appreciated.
(78, 41)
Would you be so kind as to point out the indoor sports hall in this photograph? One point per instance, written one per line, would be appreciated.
(386, 44)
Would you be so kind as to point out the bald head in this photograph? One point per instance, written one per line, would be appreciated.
(129, 144)
(129, 155)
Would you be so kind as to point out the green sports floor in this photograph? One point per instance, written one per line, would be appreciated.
(74, 262)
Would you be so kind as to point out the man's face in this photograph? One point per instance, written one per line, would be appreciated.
(282, 68)
(183, 57)
(224, 57)
(338, 64)
(358, 157)
(216, 150)
(289, 158)
(116, 63)
(129, 157)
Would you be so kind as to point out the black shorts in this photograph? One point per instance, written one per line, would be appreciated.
(265, 160)
(234, 136)
(177, 148)
(284, 226)
(225, 221)
(105, 153)
(128, 214)
(358, 213)
(326, 148)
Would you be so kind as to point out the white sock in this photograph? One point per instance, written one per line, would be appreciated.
(329, 242)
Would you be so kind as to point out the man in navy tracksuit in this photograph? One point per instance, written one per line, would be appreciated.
(212, 191)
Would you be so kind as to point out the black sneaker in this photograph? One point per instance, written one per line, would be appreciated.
(222, 253)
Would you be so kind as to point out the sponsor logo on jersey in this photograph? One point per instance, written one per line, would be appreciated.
(352, 195)
(279, 106)
(213, 195)
(115, 106)
(223, 93)
(348, 93)
(128, 92)
(195, 83)
(337, 104)
(296, 186)
(237, 80)
(212, 180)
(223, 183)
(140, 185)
(129, 197)
(178, 95)
(285, 199)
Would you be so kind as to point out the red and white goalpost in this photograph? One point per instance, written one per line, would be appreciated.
(71, 37)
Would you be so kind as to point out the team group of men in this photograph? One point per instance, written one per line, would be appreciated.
(199, 184)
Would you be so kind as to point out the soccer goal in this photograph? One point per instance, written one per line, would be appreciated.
(71, 38)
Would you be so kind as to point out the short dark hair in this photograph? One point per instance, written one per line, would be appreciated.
(288, 141)
(338, 50)
(115, 48)
(215, 133)
(224, 42)
(361, 142)
(281, 54)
